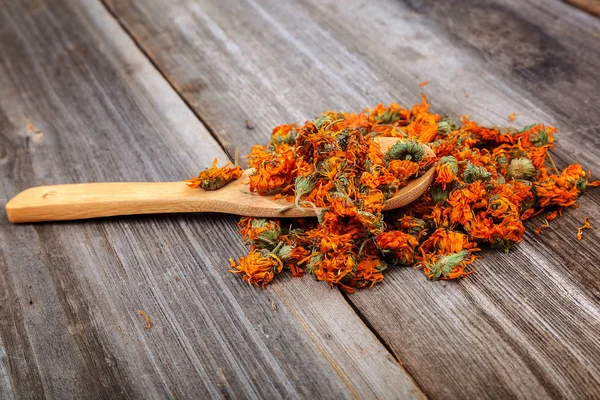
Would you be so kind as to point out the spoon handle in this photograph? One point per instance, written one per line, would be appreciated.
(92, 200)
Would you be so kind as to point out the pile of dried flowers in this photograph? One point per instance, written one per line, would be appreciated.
(488, 181)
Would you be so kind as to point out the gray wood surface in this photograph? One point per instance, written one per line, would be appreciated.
(526, 325)
(80, 103)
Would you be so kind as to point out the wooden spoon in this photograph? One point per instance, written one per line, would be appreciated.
(92, 200)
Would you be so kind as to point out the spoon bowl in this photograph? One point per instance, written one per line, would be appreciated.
(93, 200)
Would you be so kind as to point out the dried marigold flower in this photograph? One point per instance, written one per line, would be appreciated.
(368, 272)
(448, 266)
(214, 178)
(520, 168)
(403, 169)
(399, 245)
(410, 150)
(260, 232)
(561, 190)
(474, 173)
(273, 169)
(447, 169)
(258, 267)
(284, 134)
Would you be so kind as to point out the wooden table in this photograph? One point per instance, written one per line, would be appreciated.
(153, 90)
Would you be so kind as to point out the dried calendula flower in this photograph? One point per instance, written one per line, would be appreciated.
(448, 266)
(258, 268)
(284, 134)
(520, 168)
(446, 126)
(214, 178)
(399, 246)
(369, 271)
(561, 190)
(273, 168)
(261, 232)
(409, 150)
(488, 180)
(302, 187)
(474, 172)
(447, 170)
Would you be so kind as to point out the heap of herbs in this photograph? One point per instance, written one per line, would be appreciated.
(488, 181)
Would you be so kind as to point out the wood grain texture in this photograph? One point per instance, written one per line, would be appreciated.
(525, 326)
(93, 200)
(79, 102)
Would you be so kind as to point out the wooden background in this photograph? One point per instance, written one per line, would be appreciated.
(153, 90)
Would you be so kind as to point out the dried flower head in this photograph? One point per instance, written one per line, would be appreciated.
(448, 266)
(258, 267)
(409, 150)
(474, 173)
(520, 168)
(214, 178)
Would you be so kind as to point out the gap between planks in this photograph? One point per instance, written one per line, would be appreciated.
(168, 80)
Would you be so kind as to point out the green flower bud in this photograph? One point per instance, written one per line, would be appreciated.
(521, 168)
(581, 184)
(408, 150)
(269, 236)
(446, 125)
(342, 139)
(387, 117)
(474, 173)
(321, 121)
(539, 139)
(284, 252)
(503, 244)
(303, 186)
(450, 160)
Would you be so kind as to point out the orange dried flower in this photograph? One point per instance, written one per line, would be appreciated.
(399, 244)
(368, 272)
(561, 190)
(257, 268)
(403, 169)
(214, 178)
(273, 168)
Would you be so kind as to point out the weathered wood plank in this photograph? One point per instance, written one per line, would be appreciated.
(79, 102)
(525, 326)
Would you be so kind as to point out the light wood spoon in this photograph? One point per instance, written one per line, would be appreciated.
(92, 200)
